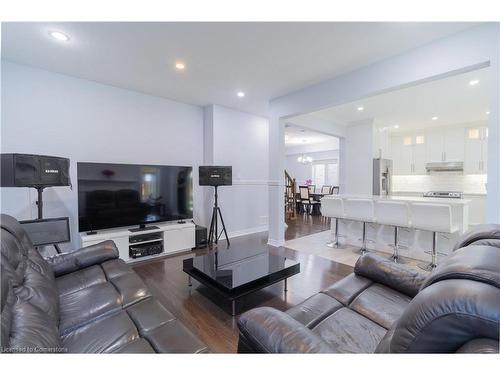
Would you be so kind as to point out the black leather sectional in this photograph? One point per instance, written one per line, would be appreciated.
(385, 307)
(88, 301)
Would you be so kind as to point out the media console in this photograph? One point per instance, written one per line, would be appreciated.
(166, 238)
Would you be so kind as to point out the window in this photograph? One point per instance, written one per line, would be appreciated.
(407, 141)
(474, 133)
(325, 172)
(419, 140)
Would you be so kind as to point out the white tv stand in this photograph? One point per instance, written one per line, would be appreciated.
(176, 238)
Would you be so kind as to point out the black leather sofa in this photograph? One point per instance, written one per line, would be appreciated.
(87, 301)
(385, 307)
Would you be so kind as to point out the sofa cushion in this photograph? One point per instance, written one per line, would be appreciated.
(149, 314)
(381, 304)
(174, 337)
(130, 287)
(85, 305)
(141, 346)
(314, 309)
(348, 288)
(349, 332)
(75, 281)
(104, 335)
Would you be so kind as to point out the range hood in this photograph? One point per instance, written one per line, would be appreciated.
(445, 166)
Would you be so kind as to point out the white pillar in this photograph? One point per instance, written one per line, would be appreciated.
(276, 181)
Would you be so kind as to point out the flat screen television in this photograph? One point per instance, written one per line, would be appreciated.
(119, 195)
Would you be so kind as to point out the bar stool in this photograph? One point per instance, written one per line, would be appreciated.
(396, 214)
(333, 207)
(435, 218)
(359, 209)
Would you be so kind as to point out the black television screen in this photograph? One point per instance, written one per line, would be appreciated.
(118, 195)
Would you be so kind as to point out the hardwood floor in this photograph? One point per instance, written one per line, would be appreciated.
(304, 225)
(208, 316)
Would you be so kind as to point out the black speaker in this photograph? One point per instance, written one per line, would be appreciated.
(201, 237)
(25, 170)
(47, 231)
(215, 176)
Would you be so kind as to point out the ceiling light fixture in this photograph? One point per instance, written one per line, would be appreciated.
(361, 109)
(435, 118)
(60, 36)
(240, 94)
(396, 126)
(474, 82)
(180, 66)
(487, 112)
(304, 159)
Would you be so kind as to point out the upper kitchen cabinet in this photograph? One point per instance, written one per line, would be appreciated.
(408, 154)
(445, 144)
(476, 150)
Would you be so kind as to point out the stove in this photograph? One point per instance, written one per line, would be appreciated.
(444, 194)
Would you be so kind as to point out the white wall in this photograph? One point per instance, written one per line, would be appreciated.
(359, 158)
(53, 114)
(240, 140)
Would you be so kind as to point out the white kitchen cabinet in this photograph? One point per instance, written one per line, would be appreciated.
(408, 155)
(445, 144)
(402, 155)
(476, 150)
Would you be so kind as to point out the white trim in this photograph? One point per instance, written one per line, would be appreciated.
(275, 183)
(244, 232)
(275, 243)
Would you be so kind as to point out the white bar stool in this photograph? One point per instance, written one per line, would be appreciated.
(396, 214)
(359, 209)
(435, 218)
(333, 207)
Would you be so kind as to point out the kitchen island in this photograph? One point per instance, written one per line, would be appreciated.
(416, 241)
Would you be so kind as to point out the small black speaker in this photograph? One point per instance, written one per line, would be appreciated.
(215, 175)
(25, 170)
(201, 237)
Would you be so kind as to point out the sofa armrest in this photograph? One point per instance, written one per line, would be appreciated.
(480, 346)
(268, 330)
(82, 258)
(486, 234)
(400, 277)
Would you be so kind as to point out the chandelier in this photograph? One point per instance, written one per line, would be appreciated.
(304, 159)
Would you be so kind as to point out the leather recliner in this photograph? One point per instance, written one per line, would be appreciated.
(385, 307)
(87, 301)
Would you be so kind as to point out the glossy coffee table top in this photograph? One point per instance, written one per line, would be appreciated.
(232, 268)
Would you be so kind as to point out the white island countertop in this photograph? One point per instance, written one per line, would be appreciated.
(453, 201)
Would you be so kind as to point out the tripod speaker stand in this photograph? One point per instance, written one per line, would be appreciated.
(214, 235)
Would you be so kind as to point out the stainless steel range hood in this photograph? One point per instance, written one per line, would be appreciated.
(445, 166)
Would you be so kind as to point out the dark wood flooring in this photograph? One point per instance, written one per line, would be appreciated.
(305, 224)
(208, 316)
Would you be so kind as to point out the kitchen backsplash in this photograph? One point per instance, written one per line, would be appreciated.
(468, 184)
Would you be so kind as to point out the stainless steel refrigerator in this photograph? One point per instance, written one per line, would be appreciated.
(382, 177)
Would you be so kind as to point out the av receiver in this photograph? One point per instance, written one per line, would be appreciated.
(145, 249)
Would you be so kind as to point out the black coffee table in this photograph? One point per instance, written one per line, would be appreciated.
(234, 273)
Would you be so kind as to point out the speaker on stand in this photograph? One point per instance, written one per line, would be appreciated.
(216, 176)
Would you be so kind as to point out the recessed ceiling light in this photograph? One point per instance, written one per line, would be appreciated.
(487, 112)
(240, 94)
(435, 118)
(361, 109)
(180, 66)
(59, 36)
(396, 126)
(474, 82)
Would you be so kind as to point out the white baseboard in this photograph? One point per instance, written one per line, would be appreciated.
(244, 232)
(275, 243)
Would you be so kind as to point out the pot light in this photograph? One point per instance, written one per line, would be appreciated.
(474, 82)
(361, 109)
(396, 126)
(487, 112)
(179, 66)
(59, 36)
(435, 118)
(240, 94)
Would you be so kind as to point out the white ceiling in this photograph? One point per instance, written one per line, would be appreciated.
(453, 100)
(295, 136)
(265, 60)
